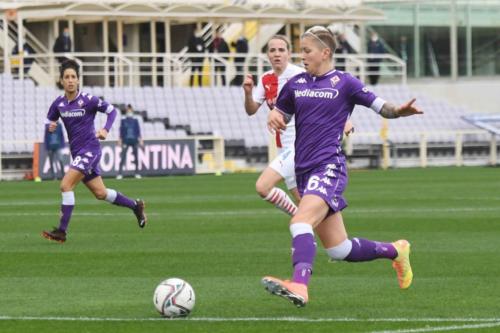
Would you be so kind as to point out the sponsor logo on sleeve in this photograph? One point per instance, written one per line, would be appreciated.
(330, 173)
(326, 180)
(322, 190)
(331, 166)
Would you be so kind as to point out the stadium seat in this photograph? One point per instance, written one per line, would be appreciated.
(219, 110)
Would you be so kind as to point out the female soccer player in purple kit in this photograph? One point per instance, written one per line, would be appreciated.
(77, 110)
(321, 99)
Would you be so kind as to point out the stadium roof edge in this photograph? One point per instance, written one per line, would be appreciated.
(185, 9)
(277, 10)
(89, 6)
(322, 11)
(232, 9)
(365, 10)
(138, 7)
(194, 13)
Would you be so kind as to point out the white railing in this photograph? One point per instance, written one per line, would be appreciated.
(169, 69)
(425, 139)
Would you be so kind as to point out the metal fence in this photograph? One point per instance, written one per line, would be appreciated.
(175, 69)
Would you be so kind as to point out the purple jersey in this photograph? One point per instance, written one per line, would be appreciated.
(321, 106)
(78, 117)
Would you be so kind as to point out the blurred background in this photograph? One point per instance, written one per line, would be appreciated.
(159, 57)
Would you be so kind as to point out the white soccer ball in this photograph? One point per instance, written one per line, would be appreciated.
(174, 298)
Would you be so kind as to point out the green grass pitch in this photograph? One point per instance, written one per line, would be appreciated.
(218, 235)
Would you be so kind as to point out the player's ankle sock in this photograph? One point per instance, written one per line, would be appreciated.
(303, 252)
(366, 250)
(116, 198)
(68, 203)
(282, 201)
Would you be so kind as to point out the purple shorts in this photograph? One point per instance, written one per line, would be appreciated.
(327, 182)
(87, 161)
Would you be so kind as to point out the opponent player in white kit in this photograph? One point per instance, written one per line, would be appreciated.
(268, 87)
(267, 90)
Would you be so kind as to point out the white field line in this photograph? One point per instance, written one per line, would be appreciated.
(443, 328)
(483, 321)
(268, 211)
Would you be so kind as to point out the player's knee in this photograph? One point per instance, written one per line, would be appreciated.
(65, 187)
(262, 188)
(341, 251)
(100, 194)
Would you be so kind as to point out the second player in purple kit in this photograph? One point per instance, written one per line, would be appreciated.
(77, 111)
(322, 99)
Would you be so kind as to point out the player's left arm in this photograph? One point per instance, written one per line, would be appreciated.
(391, 111)
(362, 96)
(109, 109)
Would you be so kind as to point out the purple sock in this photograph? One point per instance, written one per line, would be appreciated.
(366, 250)
(304, 251)
(66, 211)
(123, 201)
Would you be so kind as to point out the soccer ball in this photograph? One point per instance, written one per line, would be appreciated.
(174, 298)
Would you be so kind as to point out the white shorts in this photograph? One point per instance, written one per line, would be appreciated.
(284, 164)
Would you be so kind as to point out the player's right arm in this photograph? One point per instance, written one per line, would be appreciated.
(284, 110)
(348, 128)
(52, 126)
(52, 117)
(251, 106)
(276, 121)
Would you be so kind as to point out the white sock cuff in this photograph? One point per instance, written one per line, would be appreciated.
(272, 193)
(300, 228)
(341, 251)
(110, 195)
(68, 198)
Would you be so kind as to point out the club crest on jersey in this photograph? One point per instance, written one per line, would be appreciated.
(80, 103)
(301, 80)
(334, 80)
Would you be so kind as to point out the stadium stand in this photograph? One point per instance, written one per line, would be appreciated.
(168, 112)
(440, 122)
(173, 112)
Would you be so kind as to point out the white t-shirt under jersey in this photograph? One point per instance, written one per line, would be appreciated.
(266, 92)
